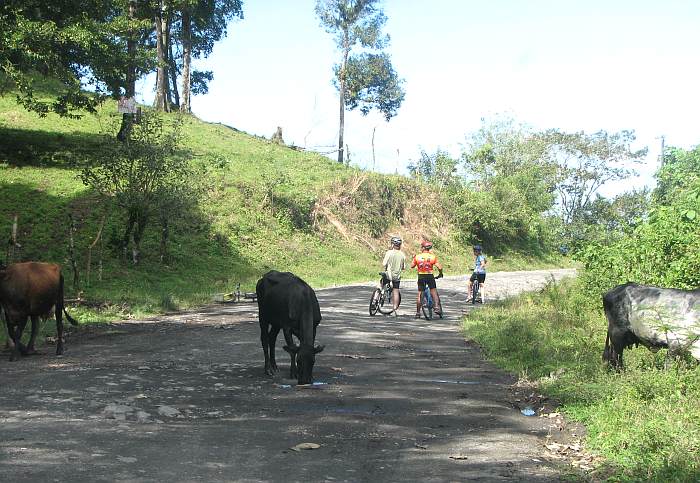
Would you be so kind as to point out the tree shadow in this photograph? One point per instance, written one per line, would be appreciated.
(26, 147)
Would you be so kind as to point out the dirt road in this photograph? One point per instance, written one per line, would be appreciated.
(184, 398)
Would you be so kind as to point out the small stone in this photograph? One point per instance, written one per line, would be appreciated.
(168, 411)
(305, 446)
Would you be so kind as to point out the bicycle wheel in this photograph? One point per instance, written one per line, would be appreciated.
(427, 305)
(475, 291)
(374, 301)
(385, 305)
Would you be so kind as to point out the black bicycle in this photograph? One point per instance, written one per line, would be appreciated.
(427, 304)
(381, 300)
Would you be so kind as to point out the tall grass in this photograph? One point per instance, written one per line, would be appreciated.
(645, 420)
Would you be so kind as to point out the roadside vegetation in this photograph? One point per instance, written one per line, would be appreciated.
(643, 420)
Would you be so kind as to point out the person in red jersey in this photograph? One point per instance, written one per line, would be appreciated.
(425, 261)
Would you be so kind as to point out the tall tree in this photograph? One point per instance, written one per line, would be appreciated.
(203, 23)
(366, 79)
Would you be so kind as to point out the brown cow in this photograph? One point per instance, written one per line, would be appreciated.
(31, 289)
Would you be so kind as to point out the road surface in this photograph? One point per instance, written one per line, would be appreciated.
(183, 397)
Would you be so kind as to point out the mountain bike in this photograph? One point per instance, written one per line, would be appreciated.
(427, 303)
(476, 287)
(382, 298)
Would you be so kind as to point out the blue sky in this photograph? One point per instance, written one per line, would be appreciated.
(567, 64)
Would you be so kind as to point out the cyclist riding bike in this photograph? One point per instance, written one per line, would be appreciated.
(479, 272)
(394, 263)
(425, 261)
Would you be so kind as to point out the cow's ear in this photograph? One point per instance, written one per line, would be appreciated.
(319, 348)
(291, 350)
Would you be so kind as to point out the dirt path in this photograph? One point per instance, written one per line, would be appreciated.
(184, 398)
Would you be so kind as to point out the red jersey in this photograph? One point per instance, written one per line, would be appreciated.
(424, 261)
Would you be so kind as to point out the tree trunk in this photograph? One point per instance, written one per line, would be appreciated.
(164, 236)
(173, 73)
(186, 60)
(127, 233)
(341, 129)
(161, 101)
(130, 88)
(167, 50)
(71, 254)
(374, 158)
(137, 236)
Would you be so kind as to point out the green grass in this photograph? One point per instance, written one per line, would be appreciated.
(645, 421)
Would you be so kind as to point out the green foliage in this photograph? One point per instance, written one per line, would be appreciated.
(438, 169)
(587, 162)
(372, 83)
(144, 176)
(662, 249)
(510, 190)
(59, 40)
(643, 420)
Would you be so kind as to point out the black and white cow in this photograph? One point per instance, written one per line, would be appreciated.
(287, 303)
(653, 317)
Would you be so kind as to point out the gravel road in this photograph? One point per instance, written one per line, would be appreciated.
(183, 397)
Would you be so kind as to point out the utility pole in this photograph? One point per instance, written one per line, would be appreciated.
(374, 159)
(663, 148)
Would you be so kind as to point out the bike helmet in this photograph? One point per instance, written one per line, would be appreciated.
(396, 240)
(477, 248)
(426, 245)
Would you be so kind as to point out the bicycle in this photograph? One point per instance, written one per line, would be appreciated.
(381, 300)
(476, 287)
(427, 303)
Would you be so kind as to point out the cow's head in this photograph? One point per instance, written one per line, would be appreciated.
(305, 357)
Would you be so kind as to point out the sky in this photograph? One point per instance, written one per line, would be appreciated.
(574, 65)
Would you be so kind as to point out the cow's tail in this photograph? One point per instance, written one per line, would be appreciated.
(63, 305)
(70, 319)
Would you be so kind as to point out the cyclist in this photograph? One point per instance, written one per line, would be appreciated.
(425, 262)
(394, 263)
(479, 272)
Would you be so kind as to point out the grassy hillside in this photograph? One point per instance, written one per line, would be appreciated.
(266, 206)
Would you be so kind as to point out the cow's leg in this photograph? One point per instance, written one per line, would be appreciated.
(59, 330)
(265, 341)
(32, 338)
(292, 353)
(15, 329)
(272, 338)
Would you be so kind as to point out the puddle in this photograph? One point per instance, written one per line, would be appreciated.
(313, 385)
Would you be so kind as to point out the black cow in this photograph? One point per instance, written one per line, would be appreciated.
(287, 303)
(31, 289)
(653, 317)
